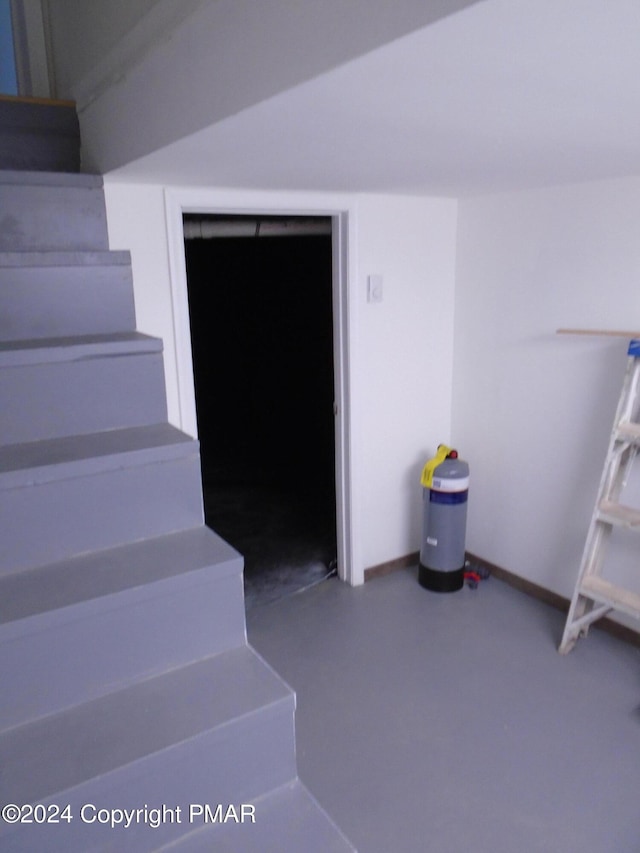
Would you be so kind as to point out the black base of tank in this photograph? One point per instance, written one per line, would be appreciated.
(438, 581)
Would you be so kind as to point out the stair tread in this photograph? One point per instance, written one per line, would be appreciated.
(57, 586)
(63, 259)
(609, 593)
(19, 177)
(287, 818)
(618, 514)
(56, 753)
(38, 461)
(14, 353)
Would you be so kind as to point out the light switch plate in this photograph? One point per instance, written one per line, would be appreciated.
(374, 288)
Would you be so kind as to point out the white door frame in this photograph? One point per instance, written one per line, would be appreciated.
(194, 200)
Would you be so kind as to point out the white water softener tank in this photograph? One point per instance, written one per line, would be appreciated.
(445, 481)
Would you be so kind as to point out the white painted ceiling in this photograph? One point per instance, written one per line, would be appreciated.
(505, 95)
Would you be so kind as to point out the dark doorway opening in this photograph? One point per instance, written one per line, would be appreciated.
(261, 319)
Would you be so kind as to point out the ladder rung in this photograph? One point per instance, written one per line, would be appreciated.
(605, 592)
(628, 431)
(618, 514)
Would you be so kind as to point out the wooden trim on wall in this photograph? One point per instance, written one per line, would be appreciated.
(521, 584)
(391, 566)
(615, 629)
(47, 102)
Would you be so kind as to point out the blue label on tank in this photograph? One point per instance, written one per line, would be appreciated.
(634, 348)
(448, 497)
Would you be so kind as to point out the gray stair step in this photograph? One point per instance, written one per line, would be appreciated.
(79, 385)
(30, 150)
(42, 211)
(138, 610)
(66, 496)
(219, 730)
(286, 819)
(39, 136)
(59, 294)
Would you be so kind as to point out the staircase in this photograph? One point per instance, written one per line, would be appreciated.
(134, 716)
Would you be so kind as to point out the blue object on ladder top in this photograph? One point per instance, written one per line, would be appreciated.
(634, 347)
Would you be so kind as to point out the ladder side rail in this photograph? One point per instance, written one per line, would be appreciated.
(616, 471)
(623, 412)
(629, 391)
(633, 412)
(599, 532)
(623, 450)
(628, 456)
(591, 564)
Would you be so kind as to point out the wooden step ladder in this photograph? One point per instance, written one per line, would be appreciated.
(594, 596)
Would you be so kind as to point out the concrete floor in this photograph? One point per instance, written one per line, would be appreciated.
(450, 724)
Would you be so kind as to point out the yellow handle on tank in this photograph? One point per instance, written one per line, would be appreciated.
(427, 472)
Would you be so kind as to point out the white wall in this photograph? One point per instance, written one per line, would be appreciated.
(136, 220)
(405, 351)
(400, 350)
(532, 410)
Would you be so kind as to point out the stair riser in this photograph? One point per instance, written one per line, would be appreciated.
(39, 136)
(45, 118)
(230, 764)
(87, 650)
(54, 520)
(47, 302)
(29, 150)
(56, 218)
(78, 397)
